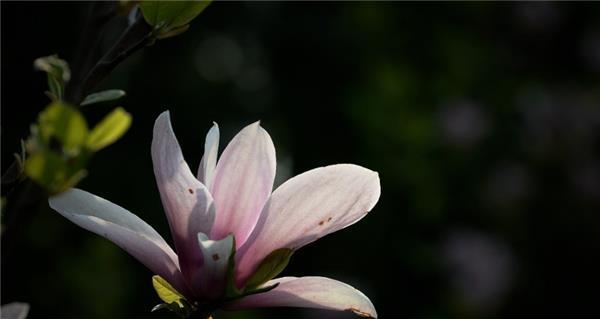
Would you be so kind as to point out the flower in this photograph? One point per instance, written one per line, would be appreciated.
(232, 234)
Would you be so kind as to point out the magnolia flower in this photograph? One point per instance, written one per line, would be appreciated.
(232, 234)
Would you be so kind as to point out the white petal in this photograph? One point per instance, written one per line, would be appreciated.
(216, 255)
(309, 292)
(306, 208)
(14, 310)
(122, 228)
(187, 202)
(209, 160)
(243, 181)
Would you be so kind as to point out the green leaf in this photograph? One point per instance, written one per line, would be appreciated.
(103, 96)
(231, 290)
(110, 129)
(166, 16)
(65, 123)
(58, 74)
(270, 267)
(165, 291)
(173, 32)
(52, 172)
(250, 292)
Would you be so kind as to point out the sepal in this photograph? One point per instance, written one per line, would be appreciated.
(270, 267)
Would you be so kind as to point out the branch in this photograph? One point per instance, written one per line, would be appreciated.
(99, 13)
(137, 36)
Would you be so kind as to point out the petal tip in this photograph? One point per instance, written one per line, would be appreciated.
(162, 121)
(202, 237)
(165, 113)
(255, 125)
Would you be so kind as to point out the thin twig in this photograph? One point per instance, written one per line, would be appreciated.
(137, 36)
(87, 52)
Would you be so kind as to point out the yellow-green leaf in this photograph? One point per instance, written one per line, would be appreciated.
(65, 123)
(51, 171)
(168, 15)
(165, 291)
(110, 129)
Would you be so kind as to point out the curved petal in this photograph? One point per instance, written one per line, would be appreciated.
(122, 228)
(187, 202)
(306, 208)
(242, 183)
(216, 254)
(309, 292)
(208, 163)
(14, 310)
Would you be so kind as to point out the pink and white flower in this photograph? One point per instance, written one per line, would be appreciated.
(232, 233)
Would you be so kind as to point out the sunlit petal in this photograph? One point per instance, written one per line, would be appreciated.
(208, 163)
(309, 292)
(307, 207)
(187, 202)
(122, 228)
(242, 183)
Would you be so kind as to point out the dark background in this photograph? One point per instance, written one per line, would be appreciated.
(482, 119)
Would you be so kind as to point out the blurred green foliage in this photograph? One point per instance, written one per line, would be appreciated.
(60, 144)
(64, 123)
(55, 154)
(58, 74)
(109, 130)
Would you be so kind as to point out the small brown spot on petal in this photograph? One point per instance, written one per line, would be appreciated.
(215, 257)
(321, 223)
(190, 190)
(360, 313)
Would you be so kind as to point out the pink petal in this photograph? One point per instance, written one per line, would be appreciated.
(309, 292)
(187, 202)
(208, 163)
(216, 255)
(306, 208)
(122, 228)
(243, 181)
